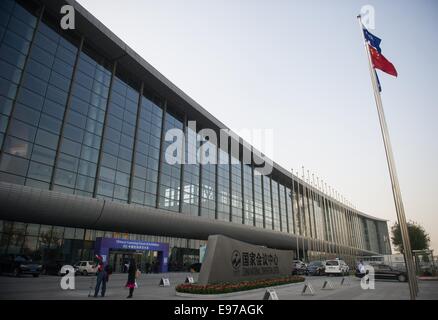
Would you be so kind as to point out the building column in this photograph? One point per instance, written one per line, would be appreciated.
(134, 149)
(216, 184)
(253, 195)
(272, 204)
(242, 187)
(263, 200)
(181, 174)
(285, 208)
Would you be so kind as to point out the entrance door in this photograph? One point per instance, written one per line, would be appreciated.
(116, 261)
(119, 259)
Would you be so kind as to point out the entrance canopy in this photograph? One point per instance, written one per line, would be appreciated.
(103, 246)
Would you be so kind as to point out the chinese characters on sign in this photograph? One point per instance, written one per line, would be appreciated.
(255, 263)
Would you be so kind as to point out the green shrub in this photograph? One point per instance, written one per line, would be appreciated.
(229, 287)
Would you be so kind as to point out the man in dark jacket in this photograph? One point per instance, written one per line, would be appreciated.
(101, 277)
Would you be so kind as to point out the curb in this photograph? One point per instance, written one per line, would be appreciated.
(428, 278)
(232, 294)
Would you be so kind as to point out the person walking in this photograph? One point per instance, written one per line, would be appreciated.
(132, 272)
(101, 277)
(360, 269)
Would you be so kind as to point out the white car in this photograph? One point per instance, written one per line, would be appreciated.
(336, 267)
(85, 267)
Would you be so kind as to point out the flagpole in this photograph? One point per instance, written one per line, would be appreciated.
(413, 286)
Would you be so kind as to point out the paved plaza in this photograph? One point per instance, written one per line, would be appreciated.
(48, 288)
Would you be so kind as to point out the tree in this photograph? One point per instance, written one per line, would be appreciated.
(418, 237)
(425, 258)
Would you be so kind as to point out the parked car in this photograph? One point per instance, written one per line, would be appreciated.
(53, 268)
(85, 267)
(336, 267)
(383, 271)
(18, 265)
(316, 268)
(298, 267)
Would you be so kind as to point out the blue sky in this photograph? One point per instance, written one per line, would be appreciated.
(299, 67)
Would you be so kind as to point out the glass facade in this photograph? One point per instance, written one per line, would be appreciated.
(289, 211)
(258, 200)
(296, 209)
(118, 143)
(76, 164)
(284, 209)
(191, 189)
(17, 27)
(147, 154)
(72, 122)
(267, 202)
(208, 182)
(170, 175)
(56, 244)
(223, 185)
(31, 138)
(236, 191)
(275, 206)
(248, 201)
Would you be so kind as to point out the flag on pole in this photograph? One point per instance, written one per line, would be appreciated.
(378, 81)
(378, 59)
(380, 62)
(372, 39)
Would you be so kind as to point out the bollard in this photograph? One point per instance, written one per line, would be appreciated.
(327, 285)
(344, 282)
(189, 279)
(308, 286)
(270, 295)
(164, 282)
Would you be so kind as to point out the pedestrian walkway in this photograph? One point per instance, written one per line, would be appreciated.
(48, 288)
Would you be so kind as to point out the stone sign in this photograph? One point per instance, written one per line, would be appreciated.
(229, 260)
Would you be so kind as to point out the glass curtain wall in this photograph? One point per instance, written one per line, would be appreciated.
(267, 201)
(17, 27)
(290, 211)
(170, 172)
(223, 205)
(236, 190)
(32, 139)
(275, 206)
(80, 143)
(248, 195)
(258, 199)
(146, 155)
(208, 182)
(284, 213)
(190, 204)
(118, 143)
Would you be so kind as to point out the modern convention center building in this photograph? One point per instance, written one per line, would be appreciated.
(84, 125)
